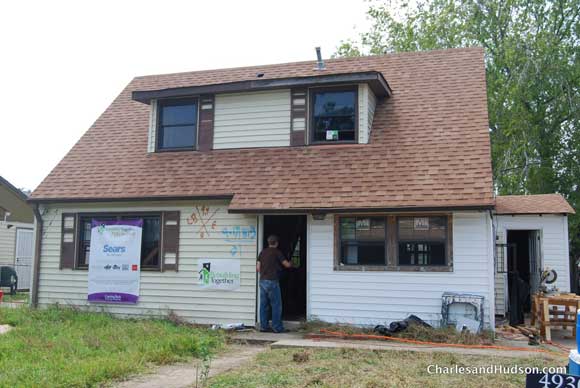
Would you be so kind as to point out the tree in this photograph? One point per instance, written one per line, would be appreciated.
(533, 78)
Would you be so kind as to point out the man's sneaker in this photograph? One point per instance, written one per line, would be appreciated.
(282, 331)
(266, 330)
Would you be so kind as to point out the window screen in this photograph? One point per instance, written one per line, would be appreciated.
(363, 240)
(334, 115)
(177, 124)
(150, 240)
(422, 240)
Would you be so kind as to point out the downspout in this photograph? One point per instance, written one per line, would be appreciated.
(37, 248)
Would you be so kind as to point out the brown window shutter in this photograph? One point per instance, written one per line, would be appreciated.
(170, 247)
(298, 117)
(206, 113)
(68, 240)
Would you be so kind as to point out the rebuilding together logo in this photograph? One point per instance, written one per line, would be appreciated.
(207, 277)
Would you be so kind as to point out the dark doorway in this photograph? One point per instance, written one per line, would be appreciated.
(523, 260)
(291, 231)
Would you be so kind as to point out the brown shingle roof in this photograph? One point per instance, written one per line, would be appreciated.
(533, 204)
(429, 146)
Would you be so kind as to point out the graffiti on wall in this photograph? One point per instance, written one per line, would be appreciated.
(238, 235)
(203, 217)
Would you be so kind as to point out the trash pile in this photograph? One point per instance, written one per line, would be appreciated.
(397, 326)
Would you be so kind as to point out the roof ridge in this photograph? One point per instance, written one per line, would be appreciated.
(328, 60)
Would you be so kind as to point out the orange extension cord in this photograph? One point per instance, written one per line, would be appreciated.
(438, 344)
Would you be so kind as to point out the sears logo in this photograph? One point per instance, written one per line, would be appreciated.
(110, 249)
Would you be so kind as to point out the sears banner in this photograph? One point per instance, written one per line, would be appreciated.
(115, 261)
(219, 274)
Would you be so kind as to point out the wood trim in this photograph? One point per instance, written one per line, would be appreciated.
(206, 122)
(310, 118)
(170, 241)
(374, 78)
(68, 249)
(298, 111)
(392, 260)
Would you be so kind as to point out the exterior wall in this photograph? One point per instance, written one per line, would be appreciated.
(8, 241)
(366, 107)
(257, 119)
(161, 292)
(369, 298)
(554, 248)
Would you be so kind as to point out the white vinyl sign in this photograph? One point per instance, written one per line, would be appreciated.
(115, 261)
(219, 274)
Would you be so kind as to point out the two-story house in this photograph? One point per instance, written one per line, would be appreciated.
(375, 173)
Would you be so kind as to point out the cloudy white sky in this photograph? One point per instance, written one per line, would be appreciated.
(63, 62)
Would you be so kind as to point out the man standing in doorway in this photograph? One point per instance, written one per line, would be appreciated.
(270, 263)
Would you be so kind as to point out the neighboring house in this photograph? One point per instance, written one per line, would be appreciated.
(16, 232)
(375, 172)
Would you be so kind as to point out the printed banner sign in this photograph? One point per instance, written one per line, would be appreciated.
(115, 261)
(219, 274)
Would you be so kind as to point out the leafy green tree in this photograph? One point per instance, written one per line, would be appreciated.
(533, 80)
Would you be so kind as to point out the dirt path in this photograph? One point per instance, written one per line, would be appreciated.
(183, 375)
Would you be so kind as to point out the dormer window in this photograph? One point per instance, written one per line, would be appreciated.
(177, 124)
(334, 115)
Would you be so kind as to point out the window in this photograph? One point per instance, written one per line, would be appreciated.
(150, 240)
(177, 124)
(363, 240)
(422, 240)
(334, 114)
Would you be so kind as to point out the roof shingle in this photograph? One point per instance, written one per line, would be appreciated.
(429, 146)
(533, 204)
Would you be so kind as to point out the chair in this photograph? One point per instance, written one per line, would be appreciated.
(9, 278)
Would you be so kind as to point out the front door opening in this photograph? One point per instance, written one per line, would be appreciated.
(291, 231)
(524, 268)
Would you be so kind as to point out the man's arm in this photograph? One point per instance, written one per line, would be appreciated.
(258, 266)
(284, 261)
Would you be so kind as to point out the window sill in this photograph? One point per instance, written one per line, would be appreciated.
(184, 149)
(390, 268)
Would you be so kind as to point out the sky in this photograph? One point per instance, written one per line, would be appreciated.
(63, 62)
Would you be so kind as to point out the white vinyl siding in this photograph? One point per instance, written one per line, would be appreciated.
(553, 249)
(257, 119)
(7, 244)
(378, 297)
(367, 102)
(8, 241)
(161, 292)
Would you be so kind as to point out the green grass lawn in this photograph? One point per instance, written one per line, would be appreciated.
(295, 368)
(62, 347)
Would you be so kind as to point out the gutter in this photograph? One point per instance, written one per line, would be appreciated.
(352, 210)
(37, 251)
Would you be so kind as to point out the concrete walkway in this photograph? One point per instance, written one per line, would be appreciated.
(297, 340)
(183, 375)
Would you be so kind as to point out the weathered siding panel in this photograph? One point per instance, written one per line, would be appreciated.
(257, 119)
(8, 241)
(162, 292)
(377, 297)
(554, 248)
(7, 244)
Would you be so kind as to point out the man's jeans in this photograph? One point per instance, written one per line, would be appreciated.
(271, 303)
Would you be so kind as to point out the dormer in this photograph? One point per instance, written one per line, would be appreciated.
(278, 112)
